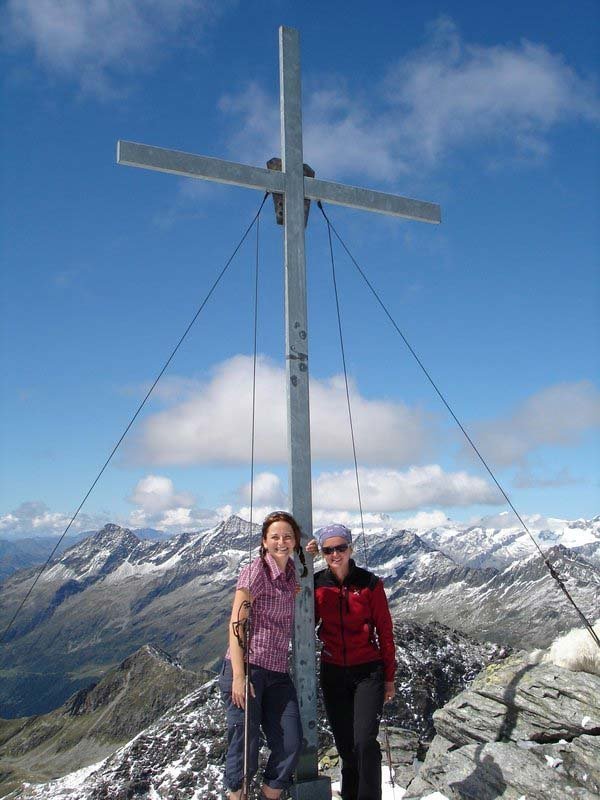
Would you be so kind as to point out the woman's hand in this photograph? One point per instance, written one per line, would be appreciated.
(238, 690)
(389, 691)
(312, 547)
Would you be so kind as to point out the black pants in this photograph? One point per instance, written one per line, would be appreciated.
(354, 701)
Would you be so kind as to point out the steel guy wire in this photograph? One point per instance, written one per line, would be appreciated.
(134, 417)
(339, 321)
(549, 566)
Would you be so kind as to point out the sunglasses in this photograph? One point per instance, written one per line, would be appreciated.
(338, 548)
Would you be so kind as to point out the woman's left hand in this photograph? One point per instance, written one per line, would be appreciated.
(389, 691)
(312, 548)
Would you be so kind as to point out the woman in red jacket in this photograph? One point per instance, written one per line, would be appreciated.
(358, 659)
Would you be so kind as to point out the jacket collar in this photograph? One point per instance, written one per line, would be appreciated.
(347, 579)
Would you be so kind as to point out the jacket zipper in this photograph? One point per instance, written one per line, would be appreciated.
(342, 624)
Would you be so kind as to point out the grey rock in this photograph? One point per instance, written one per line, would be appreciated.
(519, 731)
(514, 700)
(578, 759)
(494, 770)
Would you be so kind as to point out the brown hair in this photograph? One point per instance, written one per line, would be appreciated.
(283, 516)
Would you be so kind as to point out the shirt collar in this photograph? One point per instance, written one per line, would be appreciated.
(290, 567)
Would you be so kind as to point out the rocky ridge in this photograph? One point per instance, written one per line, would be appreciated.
(94, 721)
(182, 754)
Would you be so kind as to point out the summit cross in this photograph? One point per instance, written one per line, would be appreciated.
(295, 187)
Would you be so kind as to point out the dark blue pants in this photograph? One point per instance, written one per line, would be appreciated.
(274, 709)
(353, 698)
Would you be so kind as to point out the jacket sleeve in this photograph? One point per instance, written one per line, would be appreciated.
(385, 629)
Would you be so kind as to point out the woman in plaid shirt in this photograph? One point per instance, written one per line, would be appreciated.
(269, 586)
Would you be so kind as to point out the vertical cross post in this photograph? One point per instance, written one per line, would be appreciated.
(308, 784)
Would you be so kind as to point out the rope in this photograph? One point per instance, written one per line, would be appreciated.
(246, 781)
(549, 566)
(134, 417)
(339, 321)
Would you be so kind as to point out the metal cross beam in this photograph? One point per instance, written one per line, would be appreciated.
(295, 187)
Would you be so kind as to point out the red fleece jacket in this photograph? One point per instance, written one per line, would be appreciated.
(355, 622)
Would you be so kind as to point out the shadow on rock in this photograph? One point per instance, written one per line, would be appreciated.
(486, 782)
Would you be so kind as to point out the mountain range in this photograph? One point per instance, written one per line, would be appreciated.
(19, 552)
(112, 593)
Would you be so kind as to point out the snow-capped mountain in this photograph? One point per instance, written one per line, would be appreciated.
(499, 541)
(113, 592)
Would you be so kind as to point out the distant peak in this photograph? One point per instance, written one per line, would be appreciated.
(111, 533)
(237, 523)
(151, 651)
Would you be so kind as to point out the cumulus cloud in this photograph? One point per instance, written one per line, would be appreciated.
(451, 93)
(34, 518)
(443, 96)
(268, 490)
(423, 520)
(93, 41)
(161, 506)
(392, 491)
(558, 416)
(157, 493)
(338, 129)
(213, 424)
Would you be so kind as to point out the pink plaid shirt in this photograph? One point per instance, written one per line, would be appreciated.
(273, 593)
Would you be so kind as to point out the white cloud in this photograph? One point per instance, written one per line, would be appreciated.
(558, 415)
(338, 130)
(156, 493)
(34, 518)
(161, 506)
(451, 93)
(91, 41)
(214, 424)
(447, 95)
(393, 491)
(267, 490)
(423, 520)
(328, 516)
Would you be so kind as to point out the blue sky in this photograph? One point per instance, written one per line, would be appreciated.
(491, 111)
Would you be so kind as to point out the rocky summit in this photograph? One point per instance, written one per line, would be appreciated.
(181, 755)
(519, 730)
